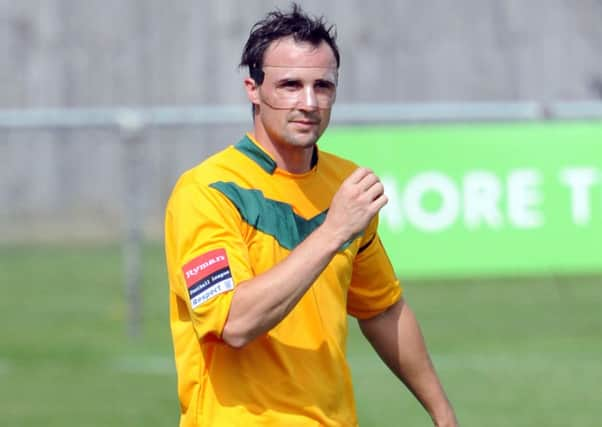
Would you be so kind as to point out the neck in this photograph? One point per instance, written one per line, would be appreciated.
(288, 157)
(297, 160)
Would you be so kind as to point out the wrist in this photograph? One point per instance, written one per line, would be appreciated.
(445, 418)
(329, 238)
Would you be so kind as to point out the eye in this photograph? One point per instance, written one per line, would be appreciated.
(290, 84)
(325, 85)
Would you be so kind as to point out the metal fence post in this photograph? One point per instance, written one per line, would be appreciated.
(131, 127)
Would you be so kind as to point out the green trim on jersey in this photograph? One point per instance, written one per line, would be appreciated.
(255, 153)
(271, 217)
(265, 162)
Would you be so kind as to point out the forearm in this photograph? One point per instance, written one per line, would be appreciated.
(415, 369)
(397, 338)
(262, 302)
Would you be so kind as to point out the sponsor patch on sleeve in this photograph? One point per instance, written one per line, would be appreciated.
(207, 275)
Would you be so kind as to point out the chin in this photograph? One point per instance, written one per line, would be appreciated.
(303, 139)
(306, 141)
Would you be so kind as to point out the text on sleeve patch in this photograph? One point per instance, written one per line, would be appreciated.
(207, 275)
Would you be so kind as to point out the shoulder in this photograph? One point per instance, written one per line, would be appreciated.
(196, 181)
(226, 164)
(332, 163)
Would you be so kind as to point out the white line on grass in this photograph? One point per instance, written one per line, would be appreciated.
(480, 362)
(5, 367)
(492, 362)
(144, 364)
(519, 362)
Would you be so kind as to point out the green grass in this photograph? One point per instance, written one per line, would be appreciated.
(510, 352)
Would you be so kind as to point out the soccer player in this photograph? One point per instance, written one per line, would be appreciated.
(270, 243)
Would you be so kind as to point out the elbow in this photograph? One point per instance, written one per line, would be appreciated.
(235, 338)
(235, 341)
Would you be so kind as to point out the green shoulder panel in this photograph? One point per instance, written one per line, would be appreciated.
(271, 217)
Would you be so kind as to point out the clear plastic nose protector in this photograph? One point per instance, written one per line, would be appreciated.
(297, 87)
(308, 96)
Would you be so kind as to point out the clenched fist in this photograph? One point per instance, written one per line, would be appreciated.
(359, 198)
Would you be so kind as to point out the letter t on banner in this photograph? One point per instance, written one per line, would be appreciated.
(580, 181)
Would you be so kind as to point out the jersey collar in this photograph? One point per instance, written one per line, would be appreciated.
(251, 149)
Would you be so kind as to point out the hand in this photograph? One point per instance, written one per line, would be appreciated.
(359, 198)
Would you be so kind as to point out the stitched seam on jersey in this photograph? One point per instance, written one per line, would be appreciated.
(364, 247)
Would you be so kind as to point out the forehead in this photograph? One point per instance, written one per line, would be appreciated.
(286, 52)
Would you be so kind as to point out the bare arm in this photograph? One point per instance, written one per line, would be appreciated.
(262, 302)
(396, 336)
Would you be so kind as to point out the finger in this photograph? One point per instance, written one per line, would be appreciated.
(357, 175)
(379, 202)
(374, 191)
(368, 181)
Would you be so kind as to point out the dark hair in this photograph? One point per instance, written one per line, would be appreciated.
(278, 24)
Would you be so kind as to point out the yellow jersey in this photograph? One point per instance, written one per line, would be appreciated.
(230, 218)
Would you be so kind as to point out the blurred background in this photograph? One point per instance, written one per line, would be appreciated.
(103, 104)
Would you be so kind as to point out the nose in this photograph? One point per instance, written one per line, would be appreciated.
(308, 100)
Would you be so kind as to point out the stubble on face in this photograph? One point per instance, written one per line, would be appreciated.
(304, 128)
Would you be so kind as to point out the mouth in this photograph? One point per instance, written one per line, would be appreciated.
(306, 122)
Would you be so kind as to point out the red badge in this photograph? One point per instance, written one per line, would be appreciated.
(203, 265)
(207, 275)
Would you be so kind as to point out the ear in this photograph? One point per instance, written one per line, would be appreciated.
(252, 90)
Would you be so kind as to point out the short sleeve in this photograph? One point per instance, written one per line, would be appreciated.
(206, 254)
(374, 286)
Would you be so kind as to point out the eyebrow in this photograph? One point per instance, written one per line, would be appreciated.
(297, 83)
(299, 79)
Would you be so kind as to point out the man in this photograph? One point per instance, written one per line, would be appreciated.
(271, 243)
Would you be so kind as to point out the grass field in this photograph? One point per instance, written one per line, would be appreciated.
(510, 352)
